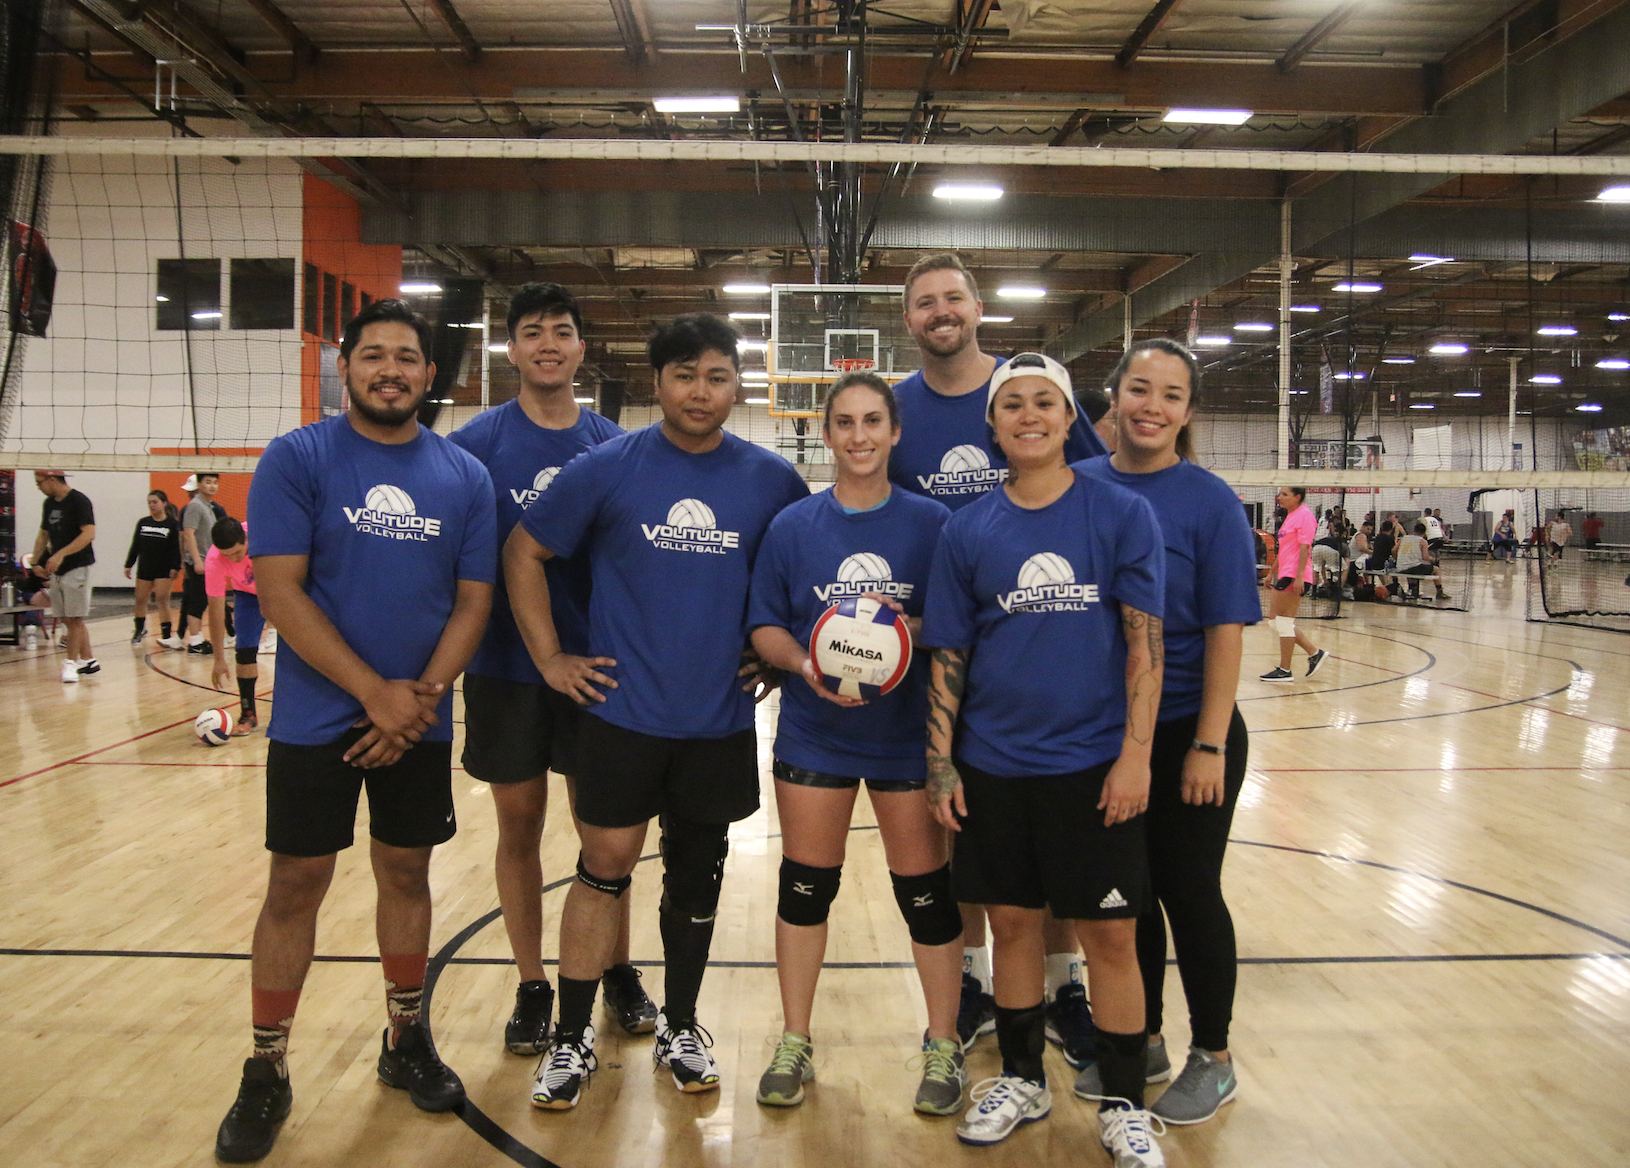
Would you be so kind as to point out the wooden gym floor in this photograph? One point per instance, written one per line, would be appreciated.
(1429, 878)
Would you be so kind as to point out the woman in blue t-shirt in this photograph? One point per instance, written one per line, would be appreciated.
(1044, 614)
(1198, 763)
(861, 538)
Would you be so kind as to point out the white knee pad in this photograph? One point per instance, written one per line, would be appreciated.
(1286, 625)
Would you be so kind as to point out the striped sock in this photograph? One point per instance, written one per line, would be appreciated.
(273, 1014)
(404, 989)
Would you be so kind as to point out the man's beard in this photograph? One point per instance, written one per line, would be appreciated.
(392, 416)
(948, 347)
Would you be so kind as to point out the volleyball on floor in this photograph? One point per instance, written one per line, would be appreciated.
(213, 727)
(861, 648)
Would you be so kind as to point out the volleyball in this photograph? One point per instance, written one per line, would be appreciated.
(1381, 592)
(213, 727)
(1045, 568)
(860, 648)
(389, 500)
(964, 458)
(544, 477)
(692, 513)
(864, 566)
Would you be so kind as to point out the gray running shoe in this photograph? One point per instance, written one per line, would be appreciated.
(1157, 1068)
(791, 1066)
(1278, 673)
(1204, 1086)
(940, 1092)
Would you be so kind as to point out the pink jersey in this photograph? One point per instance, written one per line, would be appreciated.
(1295, 537)
(221, 573)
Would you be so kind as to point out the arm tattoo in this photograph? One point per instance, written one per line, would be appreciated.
(947, 680)
(943, 779)
(1142, 678)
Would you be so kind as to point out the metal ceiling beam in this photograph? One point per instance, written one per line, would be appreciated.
(973, 14)
(467, 44)
(632, 28)
(1146, 29)
(1333, 20)
(305, 52)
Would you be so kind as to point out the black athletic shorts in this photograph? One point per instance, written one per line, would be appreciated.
(311, 797)
(152, 572)
(1040, 842)
(800, 777)
(1417, 570)
(194, 600)
(626, 778)
(515, 731)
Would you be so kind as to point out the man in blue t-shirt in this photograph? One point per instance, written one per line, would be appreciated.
(516, 729)
(946, 453)
(670, 518)
(374, 551)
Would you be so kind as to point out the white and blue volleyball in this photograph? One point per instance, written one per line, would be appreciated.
(213, 727)
(861, 648)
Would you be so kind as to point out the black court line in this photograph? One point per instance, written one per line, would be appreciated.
(1550, 693)
(147, 659)
(1431, 662)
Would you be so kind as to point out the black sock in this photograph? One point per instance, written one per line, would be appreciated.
(576, 1007)
(231, 629)
(1121, 1067)
(685, 946)
(1021, 1035)
(164, 630)
(246, 696)
(141, 625)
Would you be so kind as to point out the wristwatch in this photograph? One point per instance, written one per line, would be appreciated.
(1206, 747)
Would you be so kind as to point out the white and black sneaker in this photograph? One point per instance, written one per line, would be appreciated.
(1278, 673)
(1316, 662)
(684, 1051)
(563, 1073)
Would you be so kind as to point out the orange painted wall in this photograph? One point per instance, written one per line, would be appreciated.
(234, 492)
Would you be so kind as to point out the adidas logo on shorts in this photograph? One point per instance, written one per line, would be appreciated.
(1113, 900)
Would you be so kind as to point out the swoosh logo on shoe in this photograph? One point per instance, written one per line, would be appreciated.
(1226, 1085)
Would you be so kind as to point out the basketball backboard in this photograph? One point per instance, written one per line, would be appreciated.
(818, 332)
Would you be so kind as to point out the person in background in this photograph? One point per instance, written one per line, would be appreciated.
(197, 521)
(1592, 527)
(63, 555)
(155, 554)
(1295, 549)
(1503, 545)
(1099, 409)
(1415, 560)
(227, 567)
(1558, 533)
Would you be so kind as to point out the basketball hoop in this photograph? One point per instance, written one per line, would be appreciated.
(853, 364)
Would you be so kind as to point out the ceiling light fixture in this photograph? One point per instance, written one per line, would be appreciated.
(1614, 195)
(1613, 363)
(1304, 308)
(1450, 349)
(1610, 316)
(1397, 360)
(1557, 330)
(1428, 261)
(746, 289)
(723, 103)
(996, 320)
(418, 287)
(1545, 379)
(1588, 408)
(1019, 292)
(498, 348)
(1208, 117)
(207, 315)
(968, 192)
(752, 346)
(749, 316)
(1348, 376)
(1254, 327)
(1468, 393)
(1422, 406)
(1213, 342)
(756, 401)
(1356, 287)
(584, 401)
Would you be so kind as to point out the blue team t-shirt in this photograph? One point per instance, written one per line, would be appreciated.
(1210, 567)
(818, 553)
(1036, 597)
(389, 531)
(946, 450)
(523, 458)
(671, 539)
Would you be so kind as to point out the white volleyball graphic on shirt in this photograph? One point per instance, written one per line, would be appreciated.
(961, 459)
(864, 566)
(1045, 568)
(389, 500)
(544, 478)
(692, 513)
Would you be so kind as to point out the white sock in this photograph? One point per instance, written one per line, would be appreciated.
(196, 639)
(1062, 969)
(977, 962)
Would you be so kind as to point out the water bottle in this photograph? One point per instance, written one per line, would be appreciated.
(8, 594)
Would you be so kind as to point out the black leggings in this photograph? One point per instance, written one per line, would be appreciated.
(1186, 845)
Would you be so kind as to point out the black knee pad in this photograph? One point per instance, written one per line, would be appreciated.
(928, 906)
(693, 857)
(806, 893)
(247, 656)
(612, 888)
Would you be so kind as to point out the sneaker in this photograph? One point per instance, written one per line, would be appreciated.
(792, 1065)
(415, 1067)
(1069, 1025)
(246, 726)
(1204, 1086)
(1277, 674)
(940, 1092)
(1157, 1068)
(1003, 1104)
(1316, 662)
(684, 1051)
(1126, 1132)
(268, 643)
(976, 1012)
(250, 1127)
(172, 642)
(627, 1001)
(137, 638)
(527, 1031)
(564, 1072)
(201, 649)
(230, 642)
(70, 671)
(86, 668)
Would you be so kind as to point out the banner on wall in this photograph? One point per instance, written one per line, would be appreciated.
(1325, 454)
(33, 281)
(1607, 449)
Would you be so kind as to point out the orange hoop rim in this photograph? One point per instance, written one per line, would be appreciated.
(853, 364)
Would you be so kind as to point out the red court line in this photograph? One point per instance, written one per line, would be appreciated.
(90, 753)
(1412, 770)
(138, 763)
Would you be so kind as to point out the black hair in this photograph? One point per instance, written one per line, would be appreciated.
(169, 507)
(1420, 529)
(227, 533)
(547, 299)
(387, 311)
(201, 475)
(687, 337)
(871, 381)
(1299, 492)
(1094, 403)
(1185, 442)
